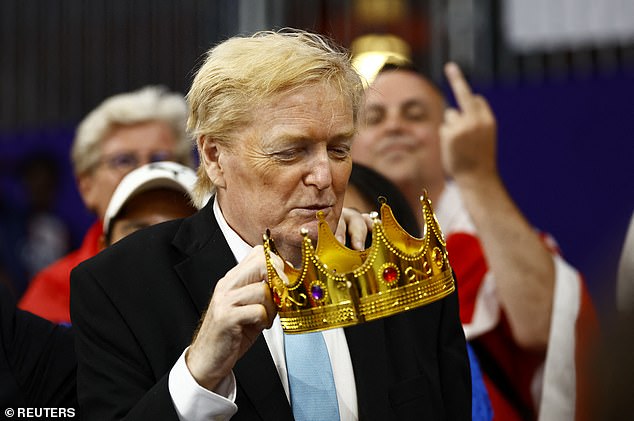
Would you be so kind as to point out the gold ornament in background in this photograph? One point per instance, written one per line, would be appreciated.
(380, 12)
(371, 52)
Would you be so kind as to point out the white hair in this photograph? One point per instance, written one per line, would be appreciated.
(151, 103)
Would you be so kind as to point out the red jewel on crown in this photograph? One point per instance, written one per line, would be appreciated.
(390, 273)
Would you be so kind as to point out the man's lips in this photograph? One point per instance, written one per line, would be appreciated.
(313, 209)
(395, 148)
(395, 144)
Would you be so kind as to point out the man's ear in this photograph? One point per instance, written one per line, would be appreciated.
(210, 153)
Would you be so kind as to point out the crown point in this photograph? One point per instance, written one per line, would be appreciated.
(382, 200)
(424, 196)
(304, 232)
(320, 215)
(374, 214)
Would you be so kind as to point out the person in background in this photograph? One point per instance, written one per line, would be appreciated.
(177, 321)
(151, 194)
(124, 132)
(37, 357)
(525, 311)
(48, 237)
(33, 233)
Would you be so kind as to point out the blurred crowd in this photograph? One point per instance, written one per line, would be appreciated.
(528, 321)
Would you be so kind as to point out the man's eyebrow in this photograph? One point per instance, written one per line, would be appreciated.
(346, 135)
(303, 138)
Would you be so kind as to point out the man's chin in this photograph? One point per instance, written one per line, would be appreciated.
(398, 171)
(291, 233)
(311, 228)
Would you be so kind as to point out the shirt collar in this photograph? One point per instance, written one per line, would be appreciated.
(238, 246)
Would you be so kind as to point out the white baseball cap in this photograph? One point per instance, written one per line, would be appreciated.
(150, 176)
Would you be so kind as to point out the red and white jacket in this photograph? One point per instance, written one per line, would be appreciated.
(548, 385)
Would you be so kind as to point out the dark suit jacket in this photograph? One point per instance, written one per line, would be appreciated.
(136, 305)
(37, 360)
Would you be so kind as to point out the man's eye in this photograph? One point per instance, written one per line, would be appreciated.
(340, 152)
(123, 161)
(372, 118)
(415, 114)
(287, 155)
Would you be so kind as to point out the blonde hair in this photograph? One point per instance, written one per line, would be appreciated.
(151, 103)
(241, 73)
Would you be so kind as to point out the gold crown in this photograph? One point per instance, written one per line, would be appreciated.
(337, 286)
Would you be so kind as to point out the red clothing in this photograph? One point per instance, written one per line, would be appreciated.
(48, 294)
(540, 385)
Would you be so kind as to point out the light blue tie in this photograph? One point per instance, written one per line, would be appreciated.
(312, 388)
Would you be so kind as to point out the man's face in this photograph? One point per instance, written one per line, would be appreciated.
(398, 133)
(293, 161)
(149, 208)
(122, 150)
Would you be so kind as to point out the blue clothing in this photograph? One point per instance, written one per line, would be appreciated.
(480, 403)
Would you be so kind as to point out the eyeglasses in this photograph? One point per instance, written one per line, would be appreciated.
(127, 161)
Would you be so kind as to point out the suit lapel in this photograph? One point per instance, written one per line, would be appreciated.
(258, 378)
(366, 343)
(208, 259)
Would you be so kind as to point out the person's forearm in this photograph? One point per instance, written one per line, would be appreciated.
(521, 264)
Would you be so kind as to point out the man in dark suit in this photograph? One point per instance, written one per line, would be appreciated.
(273, 115)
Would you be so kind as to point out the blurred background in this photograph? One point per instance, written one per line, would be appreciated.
(559, 75)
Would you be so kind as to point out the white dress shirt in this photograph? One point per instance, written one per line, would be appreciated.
(193, 402)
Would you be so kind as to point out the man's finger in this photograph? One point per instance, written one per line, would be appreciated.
(452, 116)
(251, 294)
(459, 86)
(259, 295)
(251, 270)
(340, 233)
(357, 226)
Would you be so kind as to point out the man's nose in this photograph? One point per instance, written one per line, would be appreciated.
(393, 121)
(319, 171)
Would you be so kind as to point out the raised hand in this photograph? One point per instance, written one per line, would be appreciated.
(522, 266)
(468, 133)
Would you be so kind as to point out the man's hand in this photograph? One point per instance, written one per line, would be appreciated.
(468, 134)
(356, 224)
(240, 308)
